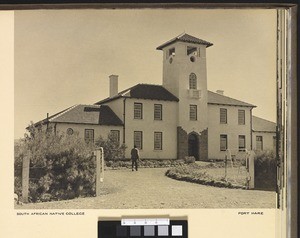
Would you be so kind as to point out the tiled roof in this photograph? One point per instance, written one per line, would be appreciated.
(144, 91)
(86, 114)
(260, 124)
(185, 38)
(215, 98)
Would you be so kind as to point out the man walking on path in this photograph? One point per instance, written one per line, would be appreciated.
(135, 157)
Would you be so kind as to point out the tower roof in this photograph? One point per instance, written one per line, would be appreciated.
(185, 38)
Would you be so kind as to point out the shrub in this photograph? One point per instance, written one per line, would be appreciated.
(112, 149)
(265, 167)
(197, 174)
(61, 166)
(189, 159)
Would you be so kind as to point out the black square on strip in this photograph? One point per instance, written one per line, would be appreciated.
(121, 231)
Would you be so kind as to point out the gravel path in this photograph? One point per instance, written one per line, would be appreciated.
(150, 188)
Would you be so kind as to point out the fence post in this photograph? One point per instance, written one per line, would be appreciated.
(99, 169)
(25, 178)
(251, 159)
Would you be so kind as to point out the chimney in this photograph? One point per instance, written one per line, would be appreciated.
(221, 92)
(113, 85)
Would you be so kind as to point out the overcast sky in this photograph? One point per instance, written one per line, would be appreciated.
(64, 57)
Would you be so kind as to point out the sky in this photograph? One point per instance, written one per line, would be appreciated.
(64, 57)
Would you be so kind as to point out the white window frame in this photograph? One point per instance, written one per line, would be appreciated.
(193, 112)
(89, 135)
(158, 112)
(193, 81)
(259, 143)
(138, 110)
(138, 139)
(158, 139)
(242, 138)
(241, 117)
(115, 135)
(223, 116)
(223, 139)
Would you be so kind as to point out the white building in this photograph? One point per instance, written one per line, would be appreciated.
(175, 119)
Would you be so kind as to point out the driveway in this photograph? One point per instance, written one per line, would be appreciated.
(150, 188)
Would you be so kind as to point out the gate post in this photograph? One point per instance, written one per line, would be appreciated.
(25, 178)
(251, 158)
(99, 169)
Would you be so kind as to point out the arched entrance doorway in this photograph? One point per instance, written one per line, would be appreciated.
(193, 145)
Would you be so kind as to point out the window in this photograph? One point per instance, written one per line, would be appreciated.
(223, 115)
(157, 112)
(193, 81)
(138, 110)
(115, 135)
(242, 143)
(138, 139)
(241, 117)
(89, 135)
(171, 52)
(70, 131)
(223, 142)
(259, 142)
(193, 112)
(191, 50)
(157, 140)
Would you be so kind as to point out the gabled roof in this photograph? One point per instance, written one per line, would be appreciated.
(263, 125)
(215, 98)
(86, 114)
(185, 38)
(144, 91)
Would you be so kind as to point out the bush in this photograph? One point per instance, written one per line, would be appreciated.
(189, 159)
(265, 167)
(197, 174)
(112, 150)
(61, 166)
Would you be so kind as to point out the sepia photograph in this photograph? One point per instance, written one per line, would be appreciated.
(145, 109)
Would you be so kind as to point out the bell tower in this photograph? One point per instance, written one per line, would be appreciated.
(185, 75)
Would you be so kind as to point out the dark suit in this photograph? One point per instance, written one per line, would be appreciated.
(134, 158)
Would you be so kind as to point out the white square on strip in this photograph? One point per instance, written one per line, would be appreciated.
(176, 230)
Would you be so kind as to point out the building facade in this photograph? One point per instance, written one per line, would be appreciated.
(179, 118)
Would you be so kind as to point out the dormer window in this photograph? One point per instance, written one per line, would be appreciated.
(192, 81)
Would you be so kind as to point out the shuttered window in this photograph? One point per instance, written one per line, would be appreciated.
(193, 112)
(241, 117)
(157, 140)
(138, 139)
(242, 143)
(223, 115)
(223, 142)
(157, 112)
(138, 110)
